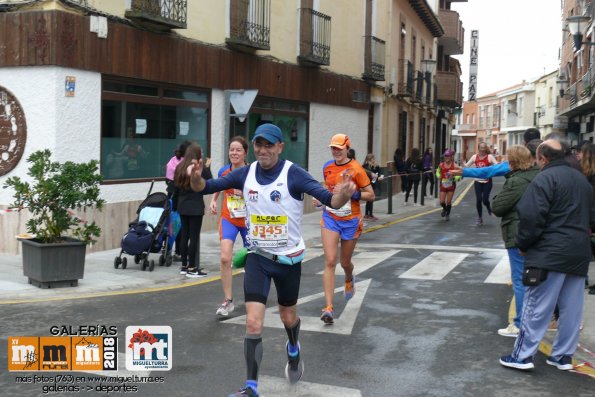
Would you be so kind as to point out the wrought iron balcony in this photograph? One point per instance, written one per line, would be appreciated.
(419, 87)
(579, 97)
(250, 25)
(405, 85)
(158, 14)
(374, 58)
(315, 38)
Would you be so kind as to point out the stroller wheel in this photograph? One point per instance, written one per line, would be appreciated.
(124, 263)
(145, 264)
(161, 260)
(116, 262)
(137, 259)
(151, 265)
(168, 260)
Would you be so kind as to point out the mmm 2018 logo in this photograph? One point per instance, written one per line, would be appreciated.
(149, 348)
(62, 353)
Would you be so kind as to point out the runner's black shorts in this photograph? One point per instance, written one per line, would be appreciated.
(259, 271)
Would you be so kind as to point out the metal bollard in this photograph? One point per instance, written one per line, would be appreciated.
(389, 191)
(422, 193)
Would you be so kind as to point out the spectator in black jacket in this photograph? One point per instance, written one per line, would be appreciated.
(414, 169)
(553, 234)
(191, 207)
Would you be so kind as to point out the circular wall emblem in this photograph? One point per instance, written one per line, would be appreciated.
(13, 131)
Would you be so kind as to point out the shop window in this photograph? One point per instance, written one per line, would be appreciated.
(142, 125)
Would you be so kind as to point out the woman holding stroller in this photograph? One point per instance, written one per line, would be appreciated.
(191, 207)
(232, 220)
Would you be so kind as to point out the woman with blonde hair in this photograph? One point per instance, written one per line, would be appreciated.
(522, 172)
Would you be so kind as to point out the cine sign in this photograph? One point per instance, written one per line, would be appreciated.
(473, 62)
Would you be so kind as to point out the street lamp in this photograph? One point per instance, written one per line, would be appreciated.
(574, 26)
(562, 84)
(428, 66)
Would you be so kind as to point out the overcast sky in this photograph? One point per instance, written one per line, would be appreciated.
(518, 40)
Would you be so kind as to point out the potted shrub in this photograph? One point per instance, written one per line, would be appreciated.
(55, 255)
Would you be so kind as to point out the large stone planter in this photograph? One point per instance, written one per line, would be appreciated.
(53, 265)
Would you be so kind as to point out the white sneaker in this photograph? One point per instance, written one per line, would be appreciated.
(225, 308)
(510, 331)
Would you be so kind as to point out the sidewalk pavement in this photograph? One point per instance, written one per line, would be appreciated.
(101, 278)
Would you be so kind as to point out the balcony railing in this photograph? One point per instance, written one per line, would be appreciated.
(158, 14)
(467, 127)
(250, 24)
(315, 37)
(450, 89)
(579, 94)
(405, 85)
(419, 80)
(454, 34)
(374, 58)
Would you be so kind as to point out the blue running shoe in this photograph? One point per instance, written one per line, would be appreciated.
(243, 392)
(563, 364)
(511, 362)
(295, 367)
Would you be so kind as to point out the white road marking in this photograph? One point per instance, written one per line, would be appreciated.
(376, 247)
(435, 266)
(501, 273)
(269, 386)
(312, 253)
(343, 323)
(364, 260)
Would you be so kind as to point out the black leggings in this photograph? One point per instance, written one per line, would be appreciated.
(404, 182)
(415, 185)
(428, 177)
(369, 208)
(190, 240)
(482, 194)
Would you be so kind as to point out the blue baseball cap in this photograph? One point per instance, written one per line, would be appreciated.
(270, 132)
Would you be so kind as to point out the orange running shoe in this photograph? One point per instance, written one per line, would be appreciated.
(349, 288)
(327, 315)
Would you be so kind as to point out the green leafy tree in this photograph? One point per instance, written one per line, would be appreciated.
(57, 190)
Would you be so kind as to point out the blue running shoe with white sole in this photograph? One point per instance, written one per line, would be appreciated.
(564, 363)
(511, 362)
(243, 392)
(295, 367)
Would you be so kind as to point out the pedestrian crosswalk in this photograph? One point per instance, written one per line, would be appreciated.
(436, 262)
(434, 266)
